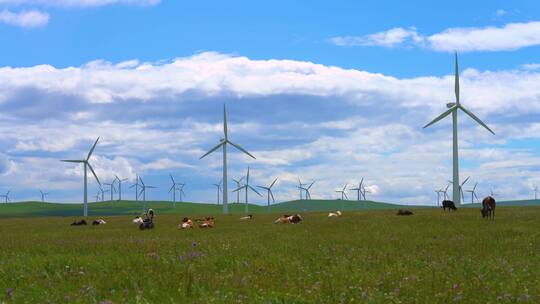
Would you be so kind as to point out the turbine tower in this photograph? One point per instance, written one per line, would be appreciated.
(102, 193)
(301, 187)
(86, 165)
(218, 186)
(453, 108)
(43, 194)
(246, 188)
(269, 192)
(223, 143)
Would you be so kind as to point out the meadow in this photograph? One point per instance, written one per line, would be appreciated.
(370, 256)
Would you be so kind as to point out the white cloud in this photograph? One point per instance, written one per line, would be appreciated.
(509, 37)
(531, 66)
(26, 19)
(164, 163)
(79, 3)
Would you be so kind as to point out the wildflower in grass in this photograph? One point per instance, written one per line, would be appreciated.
(9, 292)
(194, 244)
(246, 264)
(181, 258)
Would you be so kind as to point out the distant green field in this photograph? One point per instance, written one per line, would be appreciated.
(363, 257)
(132, 208)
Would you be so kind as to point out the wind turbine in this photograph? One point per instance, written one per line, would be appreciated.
(143, 191)
(342, 191)
(461, 187)
(102, 193)
(120, 186)
(308, 195)
(269, 192)
(247, 187)
(136, 185)
(218, 186)
(535, 189)
(174, 188)
(301, 188)
(453, 108)
(6, 197)
(359, 190)
(364, 191)
(86, 166)
(112, 188)
(237, 182)
(445, 191)
(97, 197)
(473, 193)
(43, 194)
(223, 143)
(439, 192)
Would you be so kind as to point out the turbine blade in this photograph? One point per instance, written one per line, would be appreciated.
(72, 161)
(254, 190)
(92, 150)
(238, 189)
(93, 172)
(465, 181)
(443, 115)
(310, 185)
(241, 149)
(213, 149)
(271, 185)
(225, 129)
(272, 195)
(456, 85)
(172, 179)
(171, 188)
(476, 118)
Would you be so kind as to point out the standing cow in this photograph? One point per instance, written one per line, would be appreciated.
(448, 204)
(488, 208)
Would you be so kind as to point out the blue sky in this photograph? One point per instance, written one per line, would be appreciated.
(316, 90)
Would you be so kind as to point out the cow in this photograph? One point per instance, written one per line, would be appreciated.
(288, 219)
(137, 220)
(404, 212)
(208, 223)
(247, 217)
(334, 214)
(448, 204)
(79, 223)
(488, 208)
(98, 222)
(186, 223)
(148, 222)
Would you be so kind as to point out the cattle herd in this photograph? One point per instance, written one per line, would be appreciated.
(487, 211)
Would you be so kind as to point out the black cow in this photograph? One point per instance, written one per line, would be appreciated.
(448, 204)
(404, 212)
(79, 223)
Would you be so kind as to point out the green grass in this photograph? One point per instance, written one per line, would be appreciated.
(363, 257)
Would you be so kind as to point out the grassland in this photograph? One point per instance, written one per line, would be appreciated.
(363, 257)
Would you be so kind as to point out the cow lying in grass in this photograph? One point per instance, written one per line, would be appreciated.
(98, 222)
(186, 223)
(334, 214)
(208, 223)
(247, 217)
(289, 219)
(404, 212)
(148, 222)
(79, 223)
(137, 220)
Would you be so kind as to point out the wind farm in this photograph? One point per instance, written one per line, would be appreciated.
(264, 152)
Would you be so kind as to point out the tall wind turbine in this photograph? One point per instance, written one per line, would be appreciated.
(359, 190)
(238, 183)
(246, 188)
(223, 143)
(175, 188)
(120, 180)
(343, 194)
(136, 185)
(43, 194)
(453, 109)
(143, 191)
(269, 192)
(6, 197)
(86, 166)
(218, 186)
(112, 188)
(473, 193)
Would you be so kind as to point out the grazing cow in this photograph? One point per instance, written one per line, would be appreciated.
(148, 222)
(488, 208)
(186, 223)
(404, 212)
(98, 222)
(248, 217)
(79, 223)
(334, 214)
(208, 223)
(448, 204)
(137, 220)
(287, 219)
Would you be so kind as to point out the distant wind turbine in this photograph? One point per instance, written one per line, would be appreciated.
(453, 108)
(86, 166)
(6, 197)
(102, 193)
(535, 189)
(359, 190)
(223, 143)
(343, 192)
(246, 188)
(120, 180)
(269, 192)
(143, 191)
(112, 189)
(136, 185)
(174, 188)
(473, 193)
(218, 186)
(43, 194)
(301, 188)
(238, 183)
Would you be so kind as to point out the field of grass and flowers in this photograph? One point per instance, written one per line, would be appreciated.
(362, 257)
